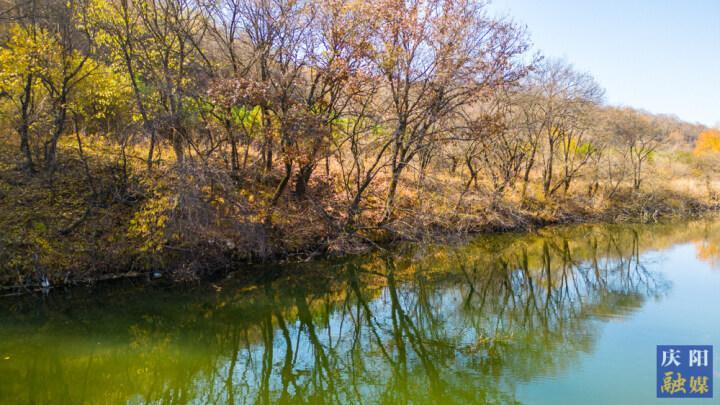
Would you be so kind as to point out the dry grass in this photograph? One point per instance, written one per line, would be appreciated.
(188, 223)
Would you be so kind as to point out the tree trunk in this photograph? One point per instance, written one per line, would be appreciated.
(526, 176)
(302, 179)
(83, 158)
(636, 176)
(147, 125)
(234, 160)
(354, 209)
(245, 155)
(352, 213)
(51, 145)
(267, 149)
(473, 177)
(24, 129)
(390, 200)
(708, 186)
(278, 192)
(547, 177)
(177, 143)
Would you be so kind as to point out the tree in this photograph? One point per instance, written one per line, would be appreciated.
(360, 145)
(639, 135)
(19, 79)
(338, 54)
(493, 145)
(708, 142)
(274, 31)
(66, 65)
(557, 111)
(707, 155)
(120, 31)
(157, 44)
(47, 56)
(435, 57)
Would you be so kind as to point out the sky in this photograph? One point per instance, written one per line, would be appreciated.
(662, 56)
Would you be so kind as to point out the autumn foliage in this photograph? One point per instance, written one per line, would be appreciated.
(188, 135)
(708, 143)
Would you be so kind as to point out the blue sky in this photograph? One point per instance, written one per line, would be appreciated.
(659, 55)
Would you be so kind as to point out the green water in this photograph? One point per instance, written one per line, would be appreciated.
(567, 315)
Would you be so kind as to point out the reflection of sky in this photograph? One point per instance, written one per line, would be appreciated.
(621, 369)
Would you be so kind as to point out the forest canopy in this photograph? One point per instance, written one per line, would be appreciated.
(145, 134)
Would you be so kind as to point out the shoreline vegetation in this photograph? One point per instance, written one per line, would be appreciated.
(89, 244)
(184, 138)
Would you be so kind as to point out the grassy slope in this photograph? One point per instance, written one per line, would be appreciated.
(47, 229)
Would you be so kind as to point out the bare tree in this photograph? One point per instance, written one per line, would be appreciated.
(560, 101)
(435, 57)
(361, 147)
(493, 145)
(639, 135)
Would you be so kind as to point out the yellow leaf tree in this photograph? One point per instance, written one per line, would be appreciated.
(707, 155)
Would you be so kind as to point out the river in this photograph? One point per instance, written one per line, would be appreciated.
(568, 314)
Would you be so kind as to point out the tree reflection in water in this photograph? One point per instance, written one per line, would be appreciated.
(428, 325)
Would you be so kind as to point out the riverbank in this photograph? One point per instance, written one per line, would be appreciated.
(94, 219)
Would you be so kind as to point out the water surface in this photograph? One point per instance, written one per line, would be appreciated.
(565, 315)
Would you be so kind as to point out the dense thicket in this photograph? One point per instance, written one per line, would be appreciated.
(258, 127)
